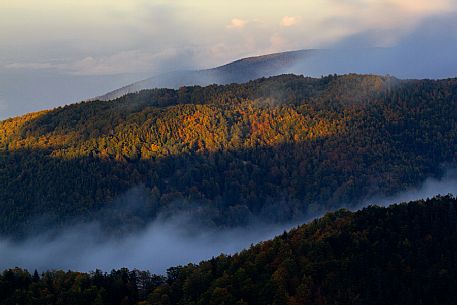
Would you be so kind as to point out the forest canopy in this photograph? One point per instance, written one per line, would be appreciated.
(276, 148)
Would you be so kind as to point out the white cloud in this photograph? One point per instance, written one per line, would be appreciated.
(35, 33)
(327, 22)
(3, 105)
(277, 42)
(237, 23)
(132, 61)
(288, 21)
(30, 65)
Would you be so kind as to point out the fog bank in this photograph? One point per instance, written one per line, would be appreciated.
(167, 241)
(163, 244)
(429, 188)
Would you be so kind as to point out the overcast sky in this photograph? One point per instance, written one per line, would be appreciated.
(54, 52)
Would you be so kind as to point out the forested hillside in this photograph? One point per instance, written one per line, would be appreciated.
(276, 148)
(403, 254)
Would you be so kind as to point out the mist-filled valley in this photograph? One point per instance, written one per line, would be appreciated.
(156, 247)
(173, 238)
(354, 252)
(167, 177)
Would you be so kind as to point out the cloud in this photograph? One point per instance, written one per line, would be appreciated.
(237, 23)
(131, 61)
(163, 243)
(429, 188)
(277, 42)
(167, 241)
(420, 6)
(394, 18)
(288, 21)
(427, 52)
(30, 65)
(3, 106)
(107, 32)
(139, 38)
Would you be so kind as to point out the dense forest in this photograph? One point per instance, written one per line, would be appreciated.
(403, 254)
(276, 148)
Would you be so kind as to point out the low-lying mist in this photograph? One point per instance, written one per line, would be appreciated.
(166, 241)
(429, 188)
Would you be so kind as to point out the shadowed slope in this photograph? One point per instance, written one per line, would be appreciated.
(403, 254)
(277, 147)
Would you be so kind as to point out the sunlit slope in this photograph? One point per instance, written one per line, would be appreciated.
(274, 148)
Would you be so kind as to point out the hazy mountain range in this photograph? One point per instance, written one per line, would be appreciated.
(239, 71)
(397, 61)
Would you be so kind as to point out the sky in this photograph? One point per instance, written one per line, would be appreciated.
(54, 52)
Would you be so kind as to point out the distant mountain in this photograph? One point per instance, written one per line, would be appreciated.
(397, 61)
(239, 71)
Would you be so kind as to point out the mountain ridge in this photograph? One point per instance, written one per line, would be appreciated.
(278, 148)
(308, 62)
(238, 71)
